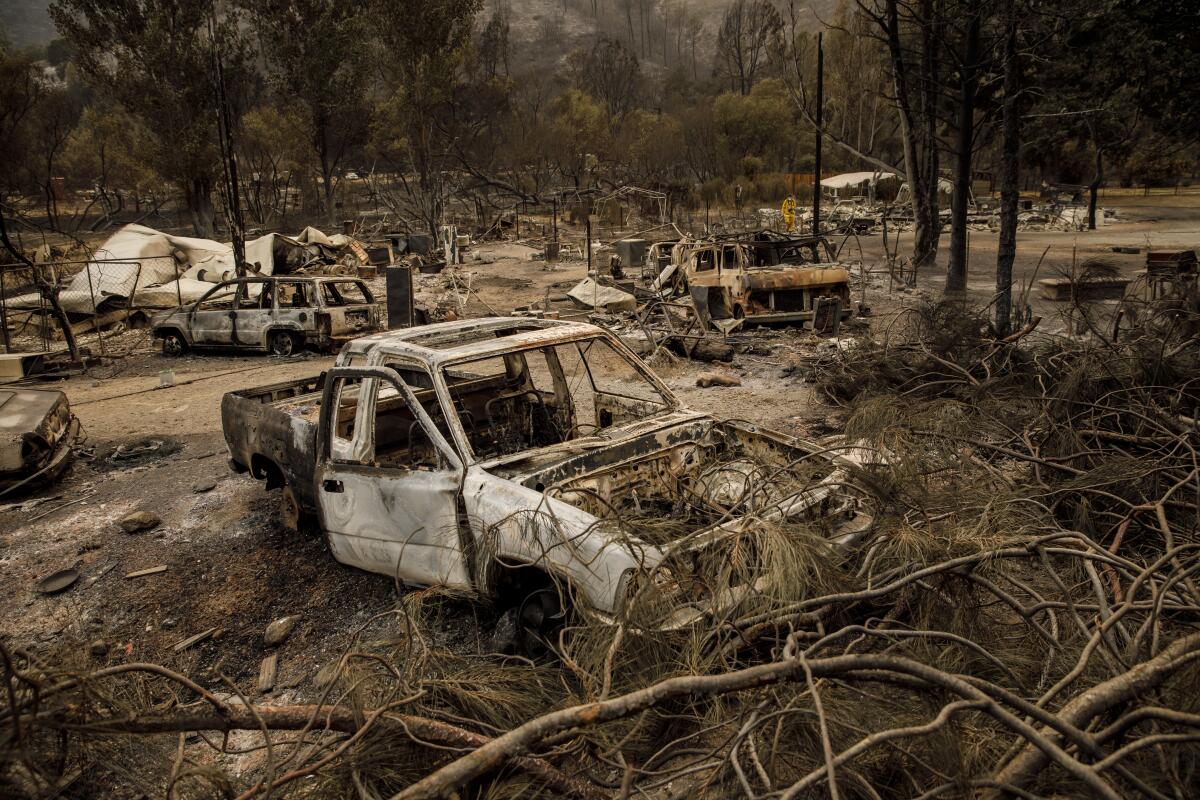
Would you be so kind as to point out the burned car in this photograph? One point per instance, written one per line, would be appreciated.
(764, 277)
(281, 315)
(37, 431)
(503, 455)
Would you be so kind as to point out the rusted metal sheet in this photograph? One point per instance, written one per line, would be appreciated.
(794, 278)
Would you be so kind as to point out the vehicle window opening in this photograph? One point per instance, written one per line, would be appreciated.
(250, 295)
(220, 300)
(548, 395)
(293, 295)
(343, 294)
(399, 438)
(346, 394)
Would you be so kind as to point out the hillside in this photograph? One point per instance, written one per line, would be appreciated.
(26, 23)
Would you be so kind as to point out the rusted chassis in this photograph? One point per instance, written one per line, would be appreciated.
(785, 295)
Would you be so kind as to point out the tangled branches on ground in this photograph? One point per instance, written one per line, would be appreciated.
(1021, 620)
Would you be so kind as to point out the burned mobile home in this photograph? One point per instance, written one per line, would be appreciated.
(503, 455)
(281, 315)
(764, 277)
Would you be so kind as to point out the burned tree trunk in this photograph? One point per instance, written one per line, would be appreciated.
(198, 193)
(918, 132)
(1010, 167)
(956, 272)
(1094, 187)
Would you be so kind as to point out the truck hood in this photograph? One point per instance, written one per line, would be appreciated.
(686, 479)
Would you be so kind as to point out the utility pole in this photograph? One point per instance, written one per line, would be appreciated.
(816, 226)
(233, 206)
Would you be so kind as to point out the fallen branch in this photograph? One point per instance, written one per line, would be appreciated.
(448, 779)
(332, 718)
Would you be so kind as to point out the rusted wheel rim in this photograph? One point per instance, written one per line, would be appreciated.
(281, 344)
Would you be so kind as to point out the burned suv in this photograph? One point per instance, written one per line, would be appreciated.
(279, 314)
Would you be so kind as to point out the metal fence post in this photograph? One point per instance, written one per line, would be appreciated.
(45, 323)
(95, 311)
(129, 308)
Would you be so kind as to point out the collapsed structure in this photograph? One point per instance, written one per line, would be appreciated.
(139, 267)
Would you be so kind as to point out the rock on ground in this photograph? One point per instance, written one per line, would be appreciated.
(279, 630)
(139, 521)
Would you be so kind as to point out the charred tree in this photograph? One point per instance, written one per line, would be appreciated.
(964, 142)
(1010, 168)
(917, 108)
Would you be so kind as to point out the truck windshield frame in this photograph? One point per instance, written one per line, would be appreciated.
(536, 377)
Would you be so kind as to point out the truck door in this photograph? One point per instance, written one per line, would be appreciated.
(211, 319)
(388, 481)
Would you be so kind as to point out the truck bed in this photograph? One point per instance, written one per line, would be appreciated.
(272, 431)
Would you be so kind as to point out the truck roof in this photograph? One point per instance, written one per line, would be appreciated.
(463, 340)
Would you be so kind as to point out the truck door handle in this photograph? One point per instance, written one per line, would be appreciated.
(333, 486)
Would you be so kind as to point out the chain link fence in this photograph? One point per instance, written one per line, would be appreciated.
(108, 303)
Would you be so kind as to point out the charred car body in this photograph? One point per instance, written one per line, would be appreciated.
(280, 314)
(37, 431)
(764, 277)
(502, 454)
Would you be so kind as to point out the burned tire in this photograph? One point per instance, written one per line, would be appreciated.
(173, 344)
(530, 628)
(282, 343)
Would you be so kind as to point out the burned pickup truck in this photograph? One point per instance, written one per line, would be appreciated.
(281, 315)
(503, 455)
(764, 277)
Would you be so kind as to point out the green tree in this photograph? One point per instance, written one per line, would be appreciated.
(318, 63)
(273, 152)
(423, 44)
(155, 57)
(649, 144)
(105, 153)
(582, 131)
(761, 124)
(20, 92)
